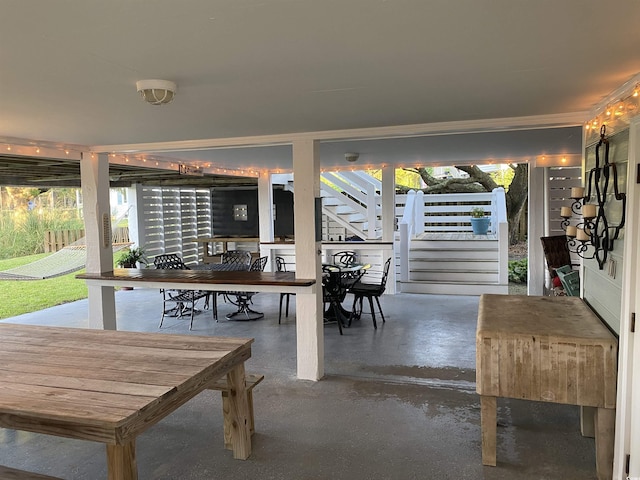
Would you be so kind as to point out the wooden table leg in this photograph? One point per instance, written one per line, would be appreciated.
(121, 461)
(587, 421)
(605, 420)
(238, 413)
(488, 421)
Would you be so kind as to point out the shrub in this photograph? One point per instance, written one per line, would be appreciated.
(518, 271)
(22, 232)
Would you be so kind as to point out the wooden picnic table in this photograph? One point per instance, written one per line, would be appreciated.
(110, 386)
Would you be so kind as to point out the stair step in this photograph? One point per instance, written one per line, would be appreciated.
(473, 257)
(452, 288)
(453, 266)
(461, 245)
(454, 277)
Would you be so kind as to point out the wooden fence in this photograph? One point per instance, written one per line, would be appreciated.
(58, 239)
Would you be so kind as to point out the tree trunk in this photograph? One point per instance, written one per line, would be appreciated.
(516, 198)
(479, 181)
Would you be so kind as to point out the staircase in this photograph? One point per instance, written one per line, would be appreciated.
(351, 204)
(459, 264)
(353, 201)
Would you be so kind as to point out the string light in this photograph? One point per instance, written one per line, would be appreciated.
(614, 117)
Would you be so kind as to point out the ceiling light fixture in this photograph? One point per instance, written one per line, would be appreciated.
(157, 92)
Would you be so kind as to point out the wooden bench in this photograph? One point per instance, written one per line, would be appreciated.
(251, 380)
(8, 473)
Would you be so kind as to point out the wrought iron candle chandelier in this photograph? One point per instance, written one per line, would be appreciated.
(593, 237)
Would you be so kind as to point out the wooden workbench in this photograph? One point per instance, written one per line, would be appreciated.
(550, 349)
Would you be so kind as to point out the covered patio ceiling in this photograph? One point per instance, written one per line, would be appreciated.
(456, 82)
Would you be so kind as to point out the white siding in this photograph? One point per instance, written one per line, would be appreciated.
(603, 288)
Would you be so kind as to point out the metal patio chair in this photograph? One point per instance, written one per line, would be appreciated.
(362, 289)
(243, 299)
(177, 303)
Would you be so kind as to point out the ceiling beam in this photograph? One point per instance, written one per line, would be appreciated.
(377, 133)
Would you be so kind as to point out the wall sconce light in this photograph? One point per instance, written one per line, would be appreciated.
(593, 237)
(240, 213)
(351, 157)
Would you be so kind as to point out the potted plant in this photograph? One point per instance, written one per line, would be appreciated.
(131, 257)
(479, 221)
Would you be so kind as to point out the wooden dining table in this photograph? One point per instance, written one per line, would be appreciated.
(110, 386)
(214, 281)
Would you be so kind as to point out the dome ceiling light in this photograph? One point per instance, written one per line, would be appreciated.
(157, 92)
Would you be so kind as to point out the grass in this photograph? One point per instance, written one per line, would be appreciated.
(24, 296)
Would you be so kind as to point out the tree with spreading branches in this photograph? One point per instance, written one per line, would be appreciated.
(479, 181)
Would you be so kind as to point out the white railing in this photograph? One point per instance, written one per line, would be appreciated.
(372, 253)
(451, 212)
(439, 213)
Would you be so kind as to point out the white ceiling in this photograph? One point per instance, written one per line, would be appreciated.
(271, 67)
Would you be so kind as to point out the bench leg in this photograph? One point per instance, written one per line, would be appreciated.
(237, 413)
(227, 421)
(121, 461)
(488, 419)
(605, 420)
(587, 421)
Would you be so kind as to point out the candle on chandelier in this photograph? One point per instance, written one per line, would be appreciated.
(589, 210)
(565, 212)
(572, 230)
(577, 192)
(582, 236)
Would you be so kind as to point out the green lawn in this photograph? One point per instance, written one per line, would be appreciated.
(24, 296)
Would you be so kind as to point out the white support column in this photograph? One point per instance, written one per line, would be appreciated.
(136, 232)
(389, 219)
(265, 213)
(309, 323)
(94, 175)
(388, 203)
(536, 229)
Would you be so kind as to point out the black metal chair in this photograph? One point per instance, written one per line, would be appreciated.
(240, 258)
(346, 258)
(177, 303)
(243, 299)
(370, 291)
(281, 266)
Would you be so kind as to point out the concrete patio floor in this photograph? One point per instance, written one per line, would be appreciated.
(396, 403)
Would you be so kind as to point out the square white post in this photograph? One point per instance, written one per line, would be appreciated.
(536, 229)
(265, 214)
(309, 322)
(94, 176)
